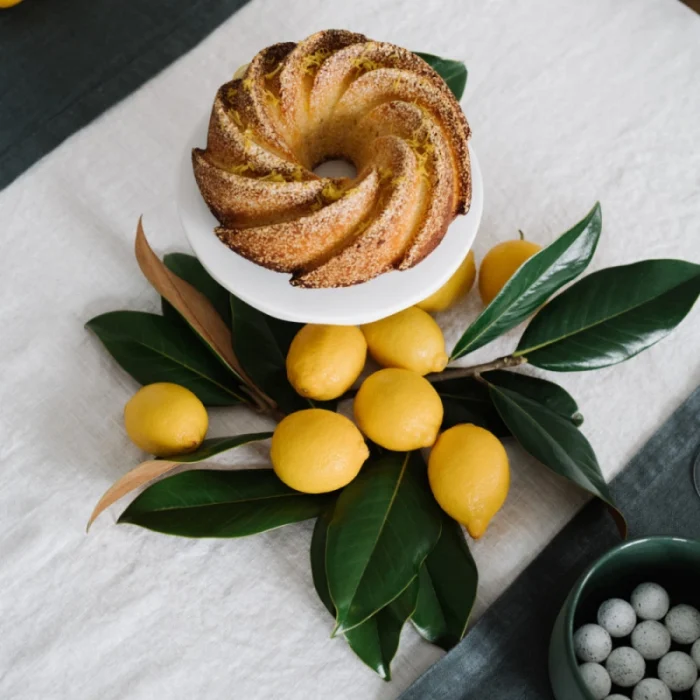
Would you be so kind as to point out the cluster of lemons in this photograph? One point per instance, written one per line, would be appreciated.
(396, 407)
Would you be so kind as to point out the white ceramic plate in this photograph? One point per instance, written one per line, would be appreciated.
(271, 292)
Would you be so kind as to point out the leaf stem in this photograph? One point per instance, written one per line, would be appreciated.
(506, 362)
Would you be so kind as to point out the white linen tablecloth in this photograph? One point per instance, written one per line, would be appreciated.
(569, 102)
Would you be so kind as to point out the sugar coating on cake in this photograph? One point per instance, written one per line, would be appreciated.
(336, 94)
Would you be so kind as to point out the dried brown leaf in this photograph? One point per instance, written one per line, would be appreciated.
(145, 472)
(195, 308)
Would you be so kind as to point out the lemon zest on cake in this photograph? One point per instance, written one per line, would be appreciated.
(422, 149)
(247, 84)
(313, 61)
(271, 97)
(231, 94)
(385, 174)
(364, 64)
(273, 73)
(273, 176)
(239, 169)
(332, 192)
(237, 118)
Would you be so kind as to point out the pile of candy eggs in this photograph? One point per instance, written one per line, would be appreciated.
(641, 649)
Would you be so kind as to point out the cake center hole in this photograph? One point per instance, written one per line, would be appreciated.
(336, 168)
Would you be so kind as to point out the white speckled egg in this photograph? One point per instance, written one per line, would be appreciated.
(617, 696)
(678, 671)
(625, 666)
(617, 616)
(596, 679)
(696, 691)
(651, 639)
(695, 653)
(593, 643)
(650, 601)
(683, 622)
(651, 689)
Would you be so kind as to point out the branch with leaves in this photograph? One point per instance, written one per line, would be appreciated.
(410, 561)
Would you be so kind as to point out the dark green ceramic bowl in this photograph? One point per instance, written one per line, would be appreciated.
(671, 561)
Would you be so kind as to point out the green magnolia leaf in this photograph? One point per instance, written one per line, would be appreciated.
(384, 525)
(549, 394)
(212, 503)
(188, 268)
(261, 343)
(466, 400)
(152, 349)
(534, 282)
(447, 588)
(454, 73)
(376, 640)
(216, 446)
(611, 315)
(554, 441)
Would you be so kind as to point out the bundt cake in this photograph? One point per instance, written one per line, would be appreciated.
(335, 95)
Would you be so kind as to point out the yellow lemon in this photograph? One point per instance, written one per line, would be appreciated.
(165, 419)
(409, 339)
(469, 475)
(316, 451)
(324, 361)
(499, 265)
(8, 3)
(454, 289)
(398, 409)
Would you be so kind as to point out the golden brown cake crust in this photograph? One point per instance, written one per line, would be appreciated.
(336, 94)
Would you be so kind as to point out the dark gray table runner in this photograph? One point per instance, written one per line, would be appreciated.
(504, 657)
(63, 62)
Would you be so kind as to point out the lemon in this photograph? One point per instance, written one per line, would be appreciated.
(454, 289)
(324, 361)
(398, 409)
(165, 419)
(469, 475)
(316, 451)
(499, 265)
(409, 339)
(8, 3)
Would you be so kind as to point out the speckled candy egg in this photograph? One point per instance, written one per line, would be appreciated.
(683, 622)
(592, 643)
(617, 696)
(678, 671)
(650, 601)
(625, 666)
(651, 689)
(617, 616)
(596, 679)
(696, 691)
(695, 653)
(651, 639)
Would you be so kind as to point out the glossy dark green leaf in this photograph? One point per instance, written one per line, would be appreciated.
(188, 268)
(611, 315)
(447, 588)
(465, 400)
(549, 394)
(554, 441)
(216, 446)
(534, 282)
(454, 73)
(376, 640)
(384, 524)
(213, 503)
(261, 343)
(152, 349)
